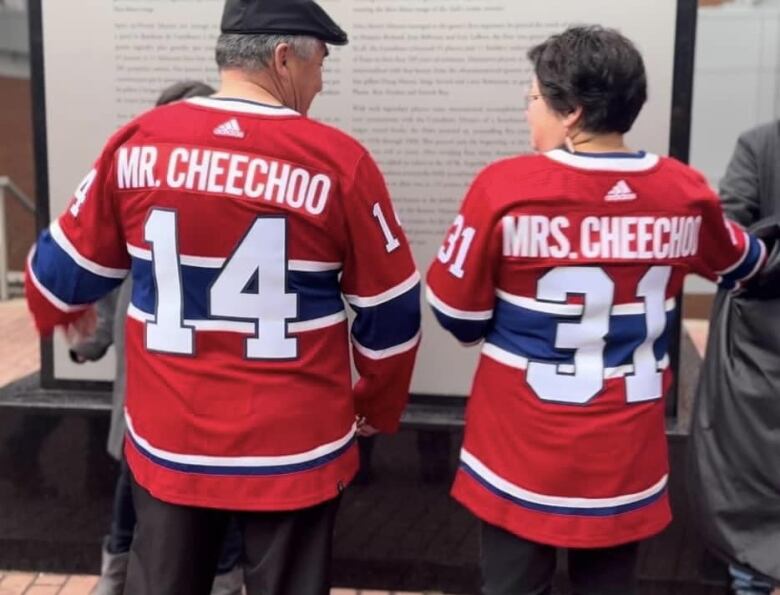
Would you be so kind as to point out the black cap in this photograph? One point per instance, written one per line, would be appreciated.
(281, 17)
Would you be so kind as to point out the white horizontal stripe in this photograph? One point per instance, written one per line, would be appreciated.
(537, 306)
(85, 263)
(213, 262)
(620, 164)
(504, 357)
(521, 363)
(385, 296)
(628, 369)
(50, 297)
(547, 500)
(311, 266)
(317, 323)
(639, 308)
(139, 253)
(389, 352)
(559, 309)
(241, 107)
(448, 310)
(267, 461)
(244, 328)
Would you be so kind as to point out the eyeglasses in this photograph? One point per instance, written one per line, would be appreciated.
(531, 97)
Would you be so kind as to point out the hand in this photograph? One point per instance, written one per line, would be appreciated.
(82, 328)
(365, 429)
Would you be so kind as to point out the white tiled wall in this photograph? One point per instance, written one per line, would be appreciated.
(736, 85)
(736, 80)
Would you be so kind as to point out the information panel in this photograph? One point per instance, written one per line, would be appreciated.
(434, 88)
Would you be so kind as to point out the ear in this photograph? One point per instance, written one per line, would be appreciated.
(570, 120)
(281, 55)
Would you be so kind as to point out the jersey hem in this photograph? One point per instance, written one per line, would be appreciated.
(491, 515)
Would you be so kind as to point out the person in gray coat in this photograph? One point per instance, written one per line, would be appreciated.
(110, 329)
(735, 440)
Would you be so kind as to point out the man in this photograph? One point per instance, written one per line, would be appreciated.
(243, 223)
(735, 451)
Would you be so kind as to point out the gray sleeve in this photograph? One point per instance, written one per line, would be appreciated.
(95, 347)
(739, 188)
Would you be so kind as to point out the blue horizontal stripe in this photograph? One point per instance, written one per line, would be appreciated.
(64, 277)
(729, 280)
(466, 331)
(532, 334)
(388, 324)
(565, 510)
(319, 294)
(243, 471)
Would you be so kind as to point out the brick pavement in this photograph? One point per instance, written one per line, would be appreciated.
(25, 583)
(19, 355)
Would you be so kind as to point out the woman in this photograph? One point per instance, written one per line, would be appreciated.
(567, 264)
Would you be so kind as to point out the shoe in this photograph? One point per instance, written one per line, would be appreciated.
(230, 583)
(113, 571)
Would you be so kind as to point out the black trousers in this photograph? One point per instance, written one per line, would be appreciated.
(512, 565)
(175, 549)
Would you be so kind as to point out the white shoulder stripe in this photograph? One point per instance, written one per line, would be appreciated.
(62, 240)
(385, 296)
(262, 461)
(448, 310)
(50, 297)
(390, 351)
(548, 500)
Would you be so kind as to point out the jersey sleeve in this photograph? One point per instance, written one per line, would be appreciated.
(382, 286)
(81, 257)
(461, 281)
(728, 254)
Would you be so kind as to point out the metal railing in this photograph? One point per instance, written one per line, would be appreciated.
(8, 188)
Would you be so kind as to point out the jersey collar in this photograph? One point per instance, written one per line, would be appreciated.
(242, 106)
(625, 162)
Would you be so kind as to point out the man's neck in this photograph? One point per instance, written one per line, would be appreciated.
(238, 86)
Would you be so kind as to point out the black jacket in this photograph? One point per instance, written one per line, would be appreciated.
(735, 433)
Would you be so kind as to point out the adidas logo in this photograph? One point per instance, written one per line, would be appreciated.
(621, 191)
(230, 128)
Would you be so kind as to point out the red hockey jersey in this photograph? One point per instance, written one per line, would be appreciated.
(569, 265)
(245, 227)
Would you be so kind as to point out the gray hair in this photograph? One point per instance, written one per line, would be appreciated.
(255, 51)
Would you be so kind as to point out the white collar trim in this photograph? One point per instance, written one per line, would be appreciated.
(596, 163)
(242, 106)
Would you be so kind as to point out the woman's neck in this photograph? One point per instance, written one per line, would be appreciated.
(585, 142)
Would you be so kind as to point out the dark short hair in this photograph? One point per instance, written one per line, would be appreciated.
(184, 90)
(595, 68)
